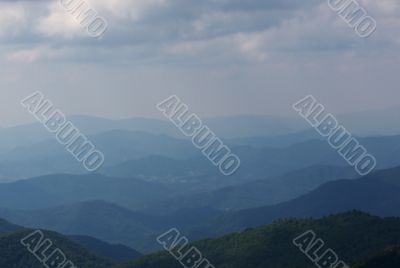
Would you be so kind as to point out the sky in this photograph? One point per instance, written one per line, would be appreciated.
(221, 57)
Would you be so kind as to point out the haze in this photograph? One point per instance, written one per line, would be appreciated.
(221, 57)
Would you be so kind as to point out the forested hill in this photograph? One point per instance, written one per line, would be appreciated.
(354, 236)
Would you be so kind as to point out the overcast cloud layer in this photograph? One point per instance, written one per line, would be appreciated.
(222, 57)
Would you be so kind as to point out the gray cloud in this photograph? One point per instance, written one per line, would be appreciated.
(221, 56)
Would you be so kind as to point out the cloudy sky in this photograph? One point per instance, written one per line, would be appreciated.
(222, 57)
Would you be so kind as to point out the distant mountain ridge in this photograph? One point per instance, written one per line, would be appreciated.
(108, 222)
(131, 153)
(256, 193)
(118, 253)
(13, 137)
(376, 122)
(377, 193)
(60, 189)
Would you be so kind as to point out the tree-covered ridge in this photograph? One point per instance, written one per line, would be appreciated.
(7, 227)
(14, 255)
(359, 239)
(354, 236)
(389, 258)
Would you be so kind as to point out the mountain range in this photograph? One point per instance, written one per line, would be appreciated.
(354, 236)
(378, 194)
(154, 179)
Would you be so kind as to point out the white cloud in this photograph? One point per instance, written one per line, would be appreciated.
(31, 55)
(59, 23)
(26, 55)
(221, 30)
(127, 9)
(12, 18)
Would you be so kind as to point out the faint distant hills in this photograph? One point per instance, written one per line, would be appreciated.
(226, 127)
(29, 150)
(256, 193)
(30, 134)
(373, 122)
(139, 154)
(368, 123)
(60, 189)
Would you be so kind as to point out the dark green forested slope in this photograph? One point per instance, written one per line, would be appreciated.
(389, 258)
(361, 240)
(14, 255)
(104, 250)
(353, 236)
